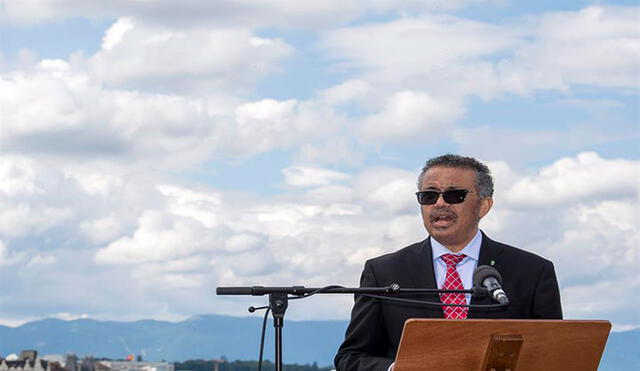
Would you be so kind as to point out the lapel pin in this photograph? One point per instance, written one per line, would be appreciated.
(492, 263)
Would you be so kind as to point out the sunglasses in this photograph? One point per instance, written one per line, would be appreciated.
(452, 196)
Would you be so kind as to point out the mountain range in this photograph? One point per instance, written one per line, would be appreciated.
(200, 337)
(215, 336)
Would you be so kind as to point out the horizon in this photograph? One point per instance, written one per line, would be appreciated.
(613, 328)
(260, 316)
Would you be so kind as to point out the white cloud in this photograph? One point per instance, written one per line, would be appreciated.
(410, 115)
(567, 181)
(579, 302)
(110, 144)
(146, 56)
(419, 45)
(113, 36)
(38, 102)
(63, 107)
(245, 242)
(425, 54)
(183, 281)
(197, 237)
(39, 260)
(604, 238)
(623, 327)
(96, 183)
(269, 124)
(595, 46)
(223, 12)
(102, 230)
(58, 111)
(7, 257)
(302, 176)
(201, 206)
(70, 316)
(331, 194)
(386, 191)
(265, 124)
(405, 229)
(331, 151)
(18, 176)
(516, 143)
(24, 195)
(347, 92)
(159, 237)
(579, 212)
(20, 220)
(256, 263)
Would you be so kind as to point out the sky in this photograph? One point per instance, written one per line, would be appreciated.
(151, 151)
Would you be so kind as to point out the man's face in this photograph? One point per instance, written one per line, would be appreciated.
(453, 225)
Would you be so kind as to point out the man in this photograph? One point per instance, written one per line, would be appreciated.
(455, 192)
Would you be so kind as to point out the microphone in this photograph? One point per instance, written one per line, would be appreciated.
(488, 278)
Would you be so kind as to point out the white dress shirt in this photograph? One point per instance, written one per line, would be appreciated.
(465, 268)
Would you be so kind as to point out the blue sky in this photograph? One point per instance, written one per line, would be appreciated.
(151, 151)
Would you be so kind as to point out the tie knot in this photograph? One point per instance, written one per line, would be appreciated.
(452, 260)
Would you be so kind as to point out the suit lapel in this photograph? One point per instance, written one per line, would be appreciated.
(489, 251)
(489, 255)
(421, 268)
(423, 275)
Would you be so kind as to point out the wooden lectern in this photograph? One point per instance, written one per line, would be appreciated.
(501, 345)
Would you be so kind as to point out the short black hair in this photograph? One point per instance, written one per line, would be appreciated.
(484, 181)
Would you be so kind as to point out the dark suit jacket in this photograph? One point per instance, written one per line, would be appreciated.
(373, 335)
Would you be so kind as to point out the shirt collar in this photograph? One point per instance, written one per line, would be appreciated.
(471, 250)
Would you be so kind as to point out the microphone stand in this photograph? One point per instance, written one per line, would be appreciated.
(279, 300)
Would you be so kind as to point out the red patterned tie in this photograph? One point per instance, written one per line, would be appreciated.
(452, 281)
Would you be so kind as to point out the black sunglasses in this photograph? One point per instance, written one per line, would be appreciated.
(452, 196)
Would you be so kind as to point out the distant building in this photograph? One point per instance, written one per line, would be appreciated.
(28, 361)
(54, 358)
(133, 366)
(30, 355)
(217, 363)
(88, 364)
(71, 362)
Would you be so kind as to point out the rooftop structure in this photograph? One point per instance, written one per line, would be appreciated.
(137, 366)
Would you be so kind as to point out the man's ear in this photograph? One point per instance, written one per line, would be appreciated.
(485, 206)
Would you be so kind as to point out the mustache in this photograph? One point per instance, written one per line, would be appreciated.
(440, 213)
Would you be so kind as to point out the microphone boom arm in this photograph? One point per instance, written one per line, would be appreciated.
(279, 297)
(393, 289)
